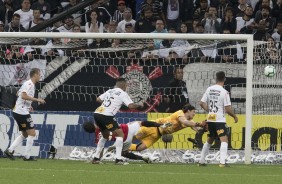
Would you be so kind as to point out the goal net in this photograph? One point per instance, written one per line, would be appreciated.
(75, 73)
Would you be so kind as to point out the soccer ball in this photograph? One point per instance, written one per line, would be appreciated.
(269, 71)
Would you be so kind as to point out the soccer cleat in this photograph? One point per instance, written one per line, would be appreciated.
(29, 159)
(96, 161)
(9, 154)
(121, 162)
(147, 160)
(224, 165)
(169, 124)
(202, 165)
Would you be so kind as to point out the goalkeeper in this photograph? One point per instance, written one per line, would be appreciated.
(180, 119)
(129, 131)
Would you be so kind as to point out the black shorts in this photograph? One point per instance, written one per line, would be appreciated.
(217, 129)
(24, 122)
(106, 122)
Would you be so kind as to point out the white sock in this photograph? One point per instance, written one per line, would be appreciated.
(223, 152)
(29, 143)
(204, 152)
(100, 146)
(119, 144)
(16, 142)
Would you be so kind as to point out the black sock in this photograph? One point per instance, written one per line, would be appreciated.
(150, 124)
(131, 155)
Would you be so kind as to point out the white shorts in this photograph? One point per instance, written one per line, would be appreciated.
(133, 128)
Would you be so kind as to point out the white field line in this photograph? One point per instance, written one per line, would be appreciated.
(142, 172)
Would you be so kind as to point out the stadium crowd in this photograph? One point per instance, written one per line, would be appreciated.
(262, 18)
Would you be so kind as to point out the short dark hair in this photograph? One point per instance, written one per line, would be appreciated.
(177, 67)
(220, 76)
(89, 127)
(34, 71)
(120, 79)
(188, 107)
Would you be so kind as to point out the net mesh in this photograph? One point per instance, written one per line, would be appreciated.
(75, 74)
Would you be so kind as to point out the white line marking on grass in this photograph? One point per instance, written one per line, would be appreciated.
(142, 172)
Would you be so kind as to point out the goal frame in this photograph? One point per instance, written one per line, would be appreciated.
(241, 37)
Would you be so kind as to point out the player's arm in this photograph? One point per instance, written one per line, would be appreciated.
(99, 100)
(155, 124)
(228, 108)
(29, 98)
(203, 102)
(205, 106)
(186, 122)
(229, 111)
(134, 106)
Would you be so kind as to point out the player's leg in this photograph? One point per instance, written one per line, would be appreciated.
(207, 145)
(29, 142)
(223, 136)
(133, 156)
(119, 144)
(147, 136)
(22, 124)
(100, 146)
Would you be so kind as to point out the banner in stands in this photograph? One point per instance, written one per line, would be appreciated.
(63, 129)
(19, 73)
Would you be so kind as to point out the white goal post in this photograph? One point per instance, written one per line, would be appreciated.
(241, 37)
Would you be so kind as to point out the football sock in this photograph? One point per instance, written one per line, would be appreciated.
(100, 146)
(150, 124)
(223, 152)
(29, 143)
(16, 142)
(204, 152)
(119, 144)
(131, 156)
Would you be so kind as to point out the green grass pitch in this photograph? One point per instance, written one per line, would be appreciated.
(79, 172)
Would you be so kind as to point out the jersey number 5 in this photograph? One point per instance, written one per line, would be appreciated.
(213, 106)
(107, 102)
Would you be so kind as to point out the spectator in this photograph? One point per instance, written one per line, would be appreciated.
(146, 23)
(68, 24)
(211, 22)
(118, 14)
(127, 19)
(199, 28)
(274, 8)
(6, 11)
(173, 12)
(15, 25)
(102, 11)
(76, 15)
(25, 12)
(112, 27)
(246, 22)
(36, 20)
(56, 25)
(159, 29)
(129, 28)
(228, 22)
(156, 7)
(277, 35)
(200, 12)
(94, 26)
(221, 8)
(261, 33)
(240, 10)
(44, 8)
(50, 48)
(176, 94)
(1, 26)
(263, 14)
(194, 25)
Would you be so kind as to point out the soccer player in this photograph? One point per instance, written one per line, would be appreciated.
(111, 101)
(129, 131)
(216, 101)
(179, 119)
(21, 114)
